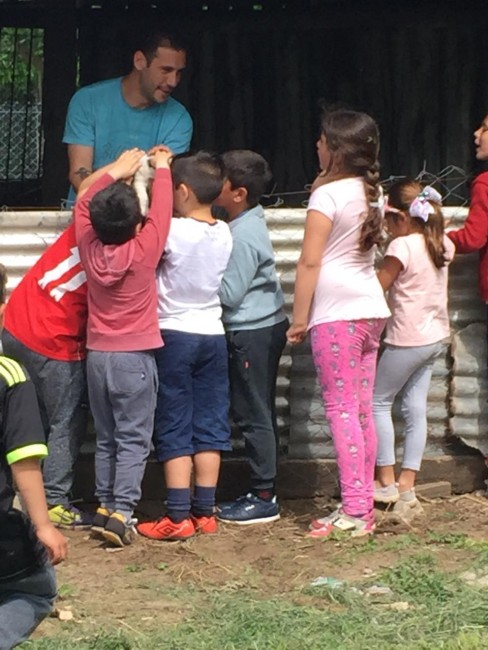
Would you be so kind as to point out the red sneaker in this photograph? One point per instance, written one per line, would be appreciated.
(166, 529)
(205, 525)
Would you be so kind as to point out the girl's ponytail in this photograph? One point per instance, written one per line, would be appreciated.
(372, 228)
(434, 236)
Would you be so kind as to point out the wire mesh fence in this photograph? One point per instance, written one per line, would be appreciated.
(451, 181)
(21, 73)
(21, 141)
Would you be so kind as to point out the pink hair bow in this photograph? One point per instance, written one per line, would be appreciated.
(421, 206)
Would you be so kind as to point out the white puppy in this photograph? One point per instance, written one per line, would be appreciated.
(142, 177)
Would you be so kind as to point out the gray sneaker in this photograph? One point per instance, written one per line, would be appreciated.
(388, 494)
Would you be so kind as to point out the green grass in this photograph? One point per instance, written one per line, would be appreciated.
(444, 614)
(67, 591)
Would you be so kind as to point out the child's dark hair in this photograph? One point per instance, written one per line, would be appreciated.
(245, 168)
(3, 284)
(353, 141)
(400, 196)
(202, 172)
(115, 212)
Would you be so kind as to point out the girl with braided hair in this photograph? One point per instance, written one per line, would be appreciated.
(339, 300)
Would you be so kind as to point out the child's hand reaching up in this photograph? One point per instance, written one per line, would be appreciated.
(160, 156)
(123, 168)
(126, 164)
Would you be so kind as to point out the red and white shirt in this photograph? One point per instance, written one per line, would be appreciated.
(47, 311)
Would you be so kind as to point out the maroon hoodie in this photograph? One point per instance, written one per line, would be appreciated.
(121, 278)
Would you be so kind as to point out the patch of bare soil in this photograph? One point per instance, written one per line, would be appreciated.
(144, 582)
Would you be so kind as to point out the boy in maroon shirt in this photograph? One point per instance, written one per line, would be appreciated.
(120, 251)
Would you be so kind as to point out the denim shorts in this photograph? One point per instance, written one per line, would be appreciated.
(192, 413)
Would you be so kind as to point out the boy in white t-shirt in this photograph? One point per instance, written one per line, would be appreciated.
(191, 426)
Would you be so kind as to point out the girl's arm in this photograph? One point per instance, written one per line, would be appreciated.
(317, 231)
(389, 271)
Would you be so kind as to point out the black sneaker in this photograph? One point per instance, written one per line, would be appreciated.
(249, 509)
(119, 530)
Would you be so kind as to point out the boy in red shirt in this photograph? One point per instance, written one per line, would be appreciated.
(45, 330)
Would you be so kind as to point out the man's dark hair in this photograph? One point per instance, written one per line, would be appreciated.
(202, 172)
(150, 42)
(115, 213)
(3, 284)
(245, 168)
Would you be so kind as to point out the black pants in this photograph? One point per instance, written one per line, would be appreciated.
(254, 357)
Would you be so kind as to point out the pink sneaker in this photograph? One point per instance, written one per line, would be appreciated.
(323, 521)
(356, 526)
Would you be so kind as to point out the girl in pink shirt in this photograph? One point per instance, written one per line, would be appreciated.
(339, 299)
(414, 272)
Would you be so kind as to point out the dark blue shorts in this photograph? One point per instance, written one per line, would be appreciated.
(192, 413)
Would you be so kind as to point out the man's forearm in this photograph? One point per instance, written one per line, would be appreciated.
(78, 176)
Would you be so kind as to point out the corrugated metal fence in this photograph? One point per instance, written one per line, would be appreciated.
(458, 392)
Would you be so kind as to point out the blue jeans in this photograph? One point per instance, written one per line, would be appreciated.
(406, 369)
(24, 604)
(254, 358)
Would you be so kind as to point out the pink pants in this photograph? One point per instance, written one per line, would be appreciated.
(344, 354)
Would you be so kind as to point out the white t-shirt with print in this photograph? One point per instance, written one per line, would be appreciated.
(189, 276)
(347, 288)
(418, 297)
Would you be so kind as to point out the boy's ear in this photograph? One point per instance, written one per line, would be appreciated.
(183, 191)
(240, 195)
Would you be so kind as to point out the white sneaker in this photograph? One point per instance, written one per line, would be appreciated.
(408, 506)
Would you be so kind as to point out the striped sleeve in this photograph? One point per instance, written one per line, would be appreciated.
(22, 431)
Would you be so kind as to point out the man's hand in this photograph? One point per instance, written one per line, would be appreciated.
(126, 164)
(160, 156)
(55, 543)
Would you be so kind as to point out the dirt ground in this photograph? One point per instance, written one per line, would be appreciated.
(135, 587)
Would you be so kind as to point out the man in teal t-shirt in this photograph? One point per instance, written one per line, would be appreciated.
(137, 110)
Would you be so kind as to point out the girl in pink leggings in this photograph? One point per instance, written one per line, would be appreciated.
(339, 299)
